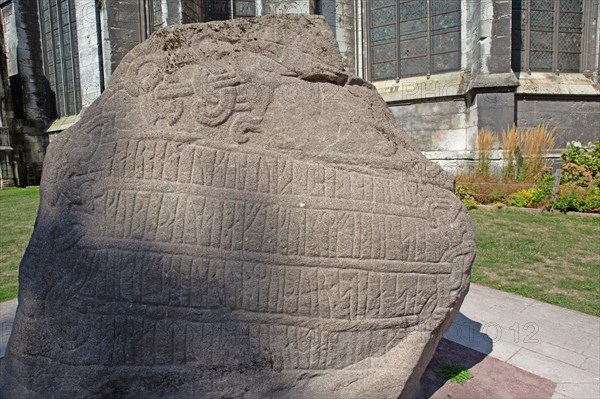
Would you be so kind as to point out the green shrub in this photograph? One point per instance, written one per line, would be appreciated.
(581, 164)
(470, 203)
(496, 195)
(466, 196)
(546, 184)
(572, 197)
(534, 197)
(528, 198)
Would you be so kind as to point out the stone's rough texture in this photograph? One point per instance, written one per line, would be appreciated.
(237, 217)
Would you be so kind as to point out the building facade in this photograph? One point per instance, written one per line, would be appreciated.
(446, 68)
(486, 64)
(7, 177)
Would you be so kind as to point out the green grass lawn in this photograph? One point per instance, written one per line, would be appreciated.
(18, 208)
(550, 257)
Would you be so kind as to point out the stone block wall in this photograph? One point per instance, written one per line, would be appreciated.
(272, 7)
(90, 72)
(33, 106)
(7, 174)
(496, 28)
(574, 119)
(495, 111)
(470, 37)
(341, 17)
(435, 126)
(443, 113)
(123, 30)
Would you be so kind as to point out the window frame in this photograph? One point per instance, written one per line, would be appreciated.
(233, 9)
(429, 36)
(65, 106)
(525, 49)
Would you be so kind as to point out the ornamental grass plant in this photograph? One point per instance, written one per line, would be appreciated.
(487, 141)
(523, 178)
(511, 153)
(535, 143)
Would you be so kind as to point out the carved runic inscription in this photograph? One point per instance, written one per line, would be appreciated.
(215, 231)
(205, 232)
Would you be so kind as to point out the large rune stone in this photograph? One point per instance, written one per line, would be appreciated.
(236, 216)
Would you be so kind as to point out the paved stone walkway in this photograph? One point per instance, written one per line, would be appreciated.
(7, 314)
(555, 343)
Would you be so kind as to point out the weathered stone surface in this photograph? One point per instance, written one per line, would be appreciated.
(237, 217)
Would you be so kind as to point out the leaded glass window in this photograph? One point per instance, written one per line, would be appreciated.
(217, 10)
(61, 56)
(547, 35)
(157, 17)
(222, 9)
(414, 37)
(244, 9)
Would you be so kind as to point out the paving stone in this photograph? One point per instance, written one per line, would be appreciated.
(552, 369)
(557, 395)
(504, 350)
(593, 349)
(579, 391)
(571, 322)
(7, 309)
(539, 322)
(592, 365)
(485, 300)
(556, 352)
(7, 313)
(553, 348)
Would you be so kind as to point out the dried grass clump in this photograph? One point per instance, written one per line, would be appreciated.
(536, 142)
(511, 152)
(486, 142)
(525, 151)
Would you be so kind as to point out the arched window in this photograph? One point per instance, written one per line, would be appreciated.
(547, 35)
(413, 37)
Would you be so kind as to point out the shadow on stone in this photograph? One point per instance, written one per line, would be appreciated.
(463, 344)
(468, 344)
(491, 377)
(132, 318)
(471, 334)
